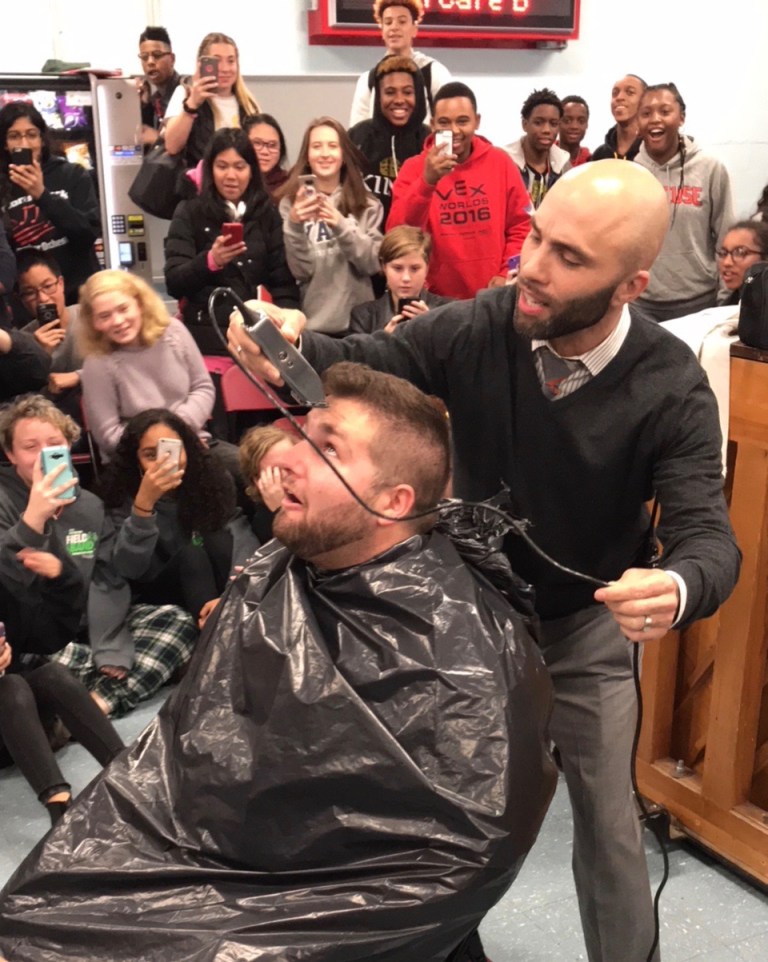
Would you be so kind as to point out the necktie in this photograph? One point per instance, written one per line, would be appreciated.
(555, 370)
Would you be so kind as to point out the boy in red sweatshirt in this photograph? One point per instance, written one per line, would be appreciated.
(470, 198)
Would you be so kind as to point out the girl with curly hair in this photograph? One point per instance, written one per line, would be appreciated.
(178, 530)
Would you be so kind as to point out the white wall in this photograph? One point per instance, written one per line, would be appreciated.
(719, 68)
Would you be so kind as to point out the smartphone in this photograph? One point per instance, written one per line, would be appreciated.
(404, 301)
(170, 447)
(233, 231)
(307, 181)
(54, 456)
(21, 156)
(209, 67)
(444, 141)
(47, 313)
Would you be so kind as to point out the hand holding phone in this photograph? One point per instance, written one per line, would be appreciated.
(53, 487)
(444, 141)
(440, 160)
(169, 452)
(55, 457)
(209, 69)
(21, 156)
(160, 477)
(233, 232)
(26, 173)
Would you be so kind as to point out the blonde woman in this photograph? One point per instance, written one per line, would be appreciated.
(136, 357)
(214, 98)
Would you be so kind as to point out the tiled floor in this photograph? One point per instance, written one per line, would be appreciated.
(707, 912)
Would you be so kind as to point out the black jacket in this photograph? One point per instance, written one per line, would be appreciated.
(64, 222)
(387, 147)
(375, 315)
(610, 148)
(24, 368)
(195, 226)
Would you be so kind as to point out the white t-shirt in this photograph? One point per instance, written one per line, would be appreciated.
(225, 109)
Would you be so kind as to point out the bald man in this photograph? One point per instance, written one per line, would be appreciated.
(586, 414)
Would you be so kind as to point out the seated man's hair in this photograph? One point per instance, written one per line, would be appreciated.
(34, 406)
(29, 257)
(456, 89)
(413, 444)
(160, 34)
(539, 97)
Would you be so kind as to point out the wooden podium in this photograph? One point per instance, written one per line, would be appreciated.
(703, 752)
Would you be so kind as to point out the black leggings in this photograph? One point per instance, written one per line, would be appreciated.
(29, 702)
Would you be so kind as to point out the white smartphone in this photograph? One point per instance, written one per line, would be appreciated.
(444, 141)
(170, 447)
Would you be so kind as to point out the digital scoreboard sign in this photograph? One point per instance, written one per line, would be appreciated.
(454, 23)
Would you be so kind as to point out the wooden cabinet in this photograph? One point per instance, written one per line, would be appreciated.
(704, 747)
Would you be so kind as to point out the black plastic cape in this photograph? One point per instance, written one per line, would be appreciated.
(354, 768)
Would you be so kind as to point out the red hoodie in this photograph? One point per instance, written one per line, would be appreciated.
(478, 216)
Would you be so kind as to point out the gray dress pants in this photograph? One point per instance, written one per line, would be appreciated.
(593, 724)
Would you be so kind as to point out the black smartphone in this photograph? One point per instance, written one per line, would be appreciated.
(404, 301)
(21, 156)
(47, 313)
(209, 67)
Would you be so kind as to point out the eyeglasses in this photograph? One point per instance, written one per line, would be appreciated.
(272, 146)
(16, 136)
(155, 55)
(49, 289)
(738, 254)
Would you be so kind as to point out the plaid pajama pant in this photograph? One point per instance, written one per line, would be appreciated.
(164, 637)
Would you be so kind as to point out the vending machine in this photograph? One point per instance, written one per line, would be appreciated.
(117, 129)
(96, 121)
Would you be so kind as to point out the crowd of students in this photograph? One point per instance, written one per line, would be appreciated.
(370, 227)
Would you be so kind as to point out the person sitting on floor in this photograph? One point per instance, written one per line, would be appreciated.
(123, 654)
(41, 601)
(178, 530)
(41, 289)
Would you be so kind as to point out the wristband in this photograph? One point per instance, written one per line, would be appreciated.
(138, 507)
(187, 109)
(212, 265)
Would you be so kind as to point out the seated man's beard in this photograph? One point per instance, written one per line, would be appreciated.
(312, 539)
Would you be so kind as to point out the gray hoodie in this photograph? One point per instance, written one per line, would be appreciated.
(333, 265)
(701, 211)
(83, 534)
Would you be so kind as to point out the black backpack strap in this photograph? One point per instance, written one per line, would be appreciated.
(426, 73)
